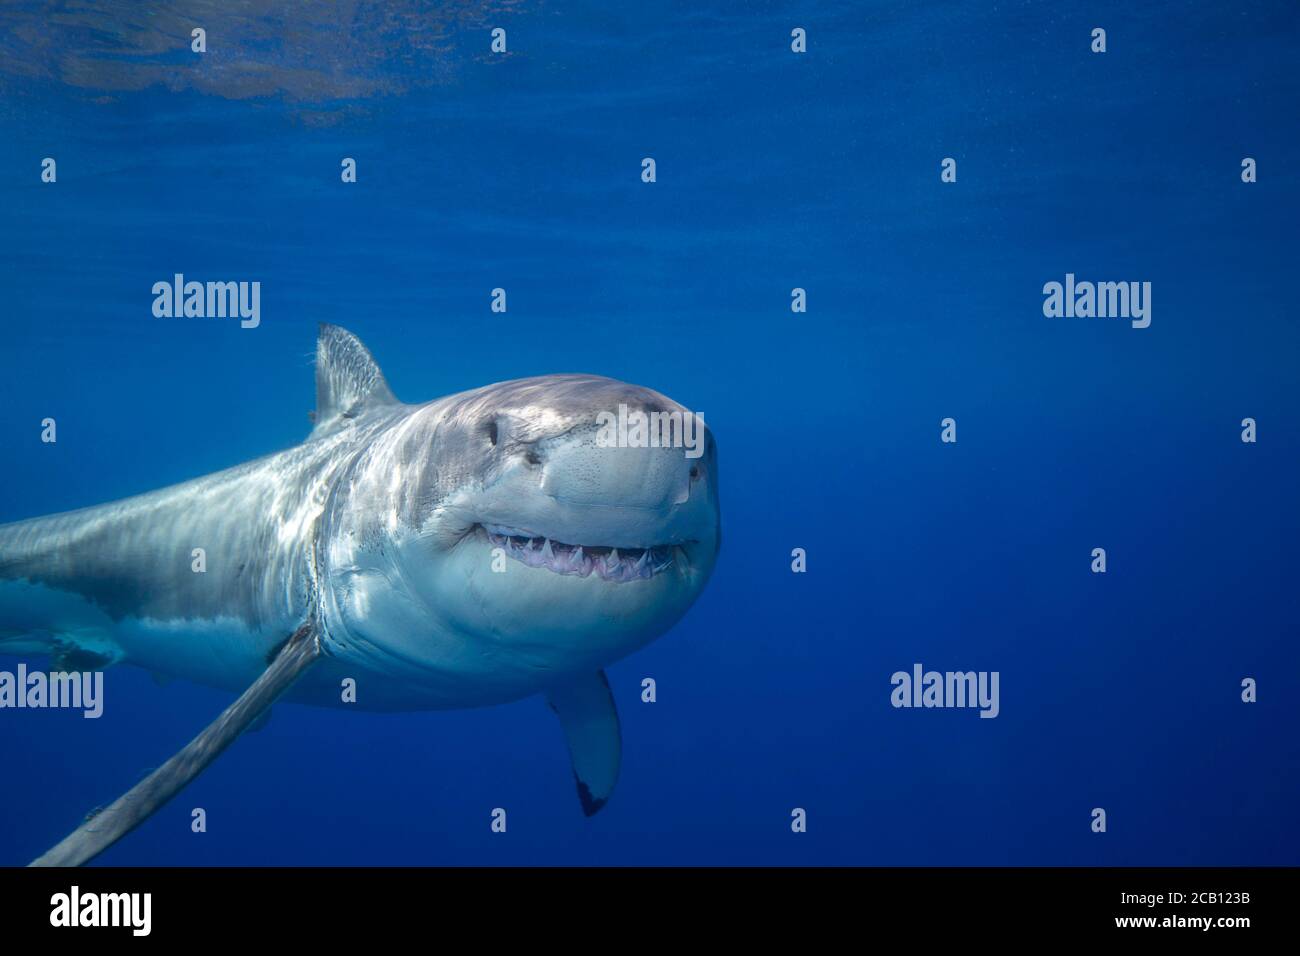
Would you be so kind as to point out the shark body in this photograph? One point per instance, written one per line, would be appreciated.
(476, 549)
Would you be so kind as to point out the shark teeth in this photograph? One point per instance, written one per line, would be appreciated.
(610, 564)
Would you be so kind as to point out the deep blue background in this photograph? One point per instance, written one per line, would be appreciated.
(774, 170)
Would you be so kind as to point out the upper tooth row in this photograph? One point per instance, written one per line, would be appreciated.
(651, 561)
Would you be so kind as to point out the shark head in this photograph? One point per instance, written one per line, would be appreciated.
(507, 537)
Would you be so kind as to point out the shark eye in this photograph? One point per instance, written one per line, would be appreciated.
(695, 472)
(491, 430)
(533, 458)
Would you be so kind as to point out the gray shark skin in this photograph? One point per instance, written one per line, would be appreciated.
(472, 550)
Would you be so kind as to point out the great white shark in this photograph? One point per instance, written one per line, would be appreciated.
(472, 550)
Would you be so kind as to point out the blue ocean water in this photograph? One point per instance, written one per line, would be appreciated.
(775, 170)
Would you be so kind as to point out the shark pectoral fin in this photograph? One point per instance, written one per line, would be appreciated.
(590, 721)
(105, 827)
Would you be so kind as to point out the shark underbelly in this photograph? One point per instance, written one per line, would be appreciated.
(217, 627)
(218, 652)
(221, 652)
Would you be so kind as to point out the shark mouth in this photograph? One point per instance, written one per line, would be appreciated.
(611, 564)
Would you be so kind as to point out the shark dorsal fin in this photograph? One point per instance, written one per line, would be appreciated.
(348, 379)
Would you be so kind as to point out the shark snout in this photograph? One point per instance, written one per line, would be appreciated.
(580, 489)
(584, 472)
